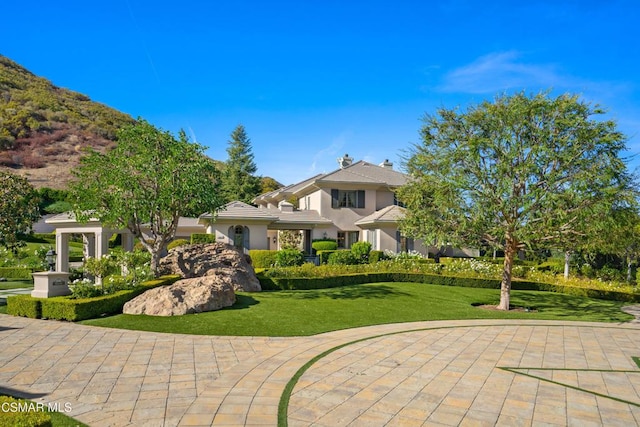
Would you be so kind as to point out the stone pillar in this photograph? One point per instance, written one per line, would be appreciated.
(62, 251)
(48, 284)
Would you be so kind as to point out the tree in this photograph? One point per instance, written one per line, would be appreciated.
(238, 179)
(517, 172)
(18, 209)
(145, 184)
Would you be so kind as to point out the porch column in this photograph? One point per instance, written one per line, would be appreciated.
(62, 251)
(101, 243)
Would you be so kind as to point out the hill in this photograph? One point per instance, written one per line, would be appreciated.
(44, 128)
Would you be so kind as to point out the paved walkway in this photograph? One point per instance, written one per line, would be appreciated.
(4, 293)
(476, 373)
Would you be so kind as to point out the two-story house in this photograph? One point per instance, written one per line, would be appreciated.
(355, 202)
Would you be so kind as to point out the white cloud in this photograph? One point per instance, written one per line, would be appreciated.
(326, 159)
(497, 72)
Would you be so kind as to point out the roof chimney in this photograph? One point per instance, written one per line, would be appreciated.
(345, 161)
(386, 164)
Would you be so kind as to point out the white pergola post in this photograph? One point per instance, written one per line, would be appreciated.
(62, 251)
(89, 243)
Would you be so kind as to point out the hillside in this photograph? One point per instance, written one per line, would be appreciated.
(44, 128)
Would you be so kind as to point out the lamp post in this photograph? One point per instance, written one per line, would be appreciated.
(51, 259)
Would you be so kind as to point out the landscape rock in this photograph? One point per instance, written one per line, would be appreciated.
(218, 259)
(187, 296)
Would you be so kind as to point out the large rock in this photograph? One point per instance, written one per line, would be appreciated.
(208, 259)
(186, 296)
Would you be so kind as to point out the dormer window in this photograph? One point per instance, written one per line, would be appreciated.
(347, 199)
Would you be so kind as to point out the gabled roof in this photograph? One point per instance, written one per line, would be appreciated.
(239, 210)
(390, 215)
(360, 172)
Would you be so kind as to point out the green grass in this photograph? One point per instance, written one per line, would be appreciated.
(303, 313)
(16, 283)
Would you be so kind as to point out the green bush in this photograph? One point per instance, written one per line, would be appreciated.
(376, 256)
(289, 258)
(262, 258)
(16, 272)
(177, 242)
(24, 306)
(344, 257)
(85, 289)
(324, 256)
(360, 251)
(202, 238)
(324, 245)
(20, 417)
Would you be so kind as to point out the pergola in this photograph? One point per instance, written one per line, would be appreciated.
(94, 235)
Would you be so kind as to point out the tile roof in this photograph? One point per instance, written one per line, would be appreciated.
(390, 214)
(240, 210)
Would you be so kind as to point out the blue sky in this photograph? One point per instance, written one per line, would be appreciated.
(312, 80)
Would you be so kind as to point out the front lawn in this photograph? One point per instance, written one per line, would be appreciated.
(302, 313)
(16, 283)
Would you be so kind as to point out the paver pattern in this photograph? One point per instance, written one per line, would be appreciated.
(426, 373)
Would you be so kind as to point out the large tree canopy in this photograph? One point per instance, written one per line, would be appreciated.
(238, 179)
(18, 209)
(516, 172)
(145, 184)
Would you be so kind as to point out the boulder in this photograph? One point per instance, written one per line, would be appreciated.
(186, 296)
(206, 259)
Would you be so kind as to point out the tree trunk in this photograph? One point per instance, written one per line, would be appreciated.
(505, 287)
(629, 269)
(567, 258)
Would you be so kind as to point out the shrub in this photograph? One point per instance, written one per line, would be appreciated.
(376, 256)
(289, 258)
(177, 242)
(15, 272)
(24, 305)
(324, 245)
(324, 255)
(261, 258)
(19, 417)
(342, 257)
(360, 251)
(202, 238)
(84, 289)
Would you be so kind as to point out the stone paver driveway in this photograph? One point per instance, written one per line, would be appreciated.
(472, 373)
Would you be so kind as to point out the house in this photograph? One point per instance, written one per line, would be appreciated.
(355, 202)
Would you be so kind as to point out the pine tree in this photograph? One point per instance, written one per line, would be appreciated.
(238, 179)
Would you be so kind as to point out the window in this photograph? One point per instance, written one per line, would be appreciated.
(347, 238)
(347, 198)
(404, 244)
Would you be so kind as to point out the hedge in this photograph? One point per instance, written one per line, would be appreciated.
(262, 258)
(300, 283)
(66, 308)
(25, 306)
(202, 238)
(324, 256)
(324, 245)
(16, 272)
(177, 242)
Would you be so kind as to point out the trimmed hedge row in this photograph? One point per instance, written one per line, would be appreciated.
(300, 283)
(65, 308)
(16, 272)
